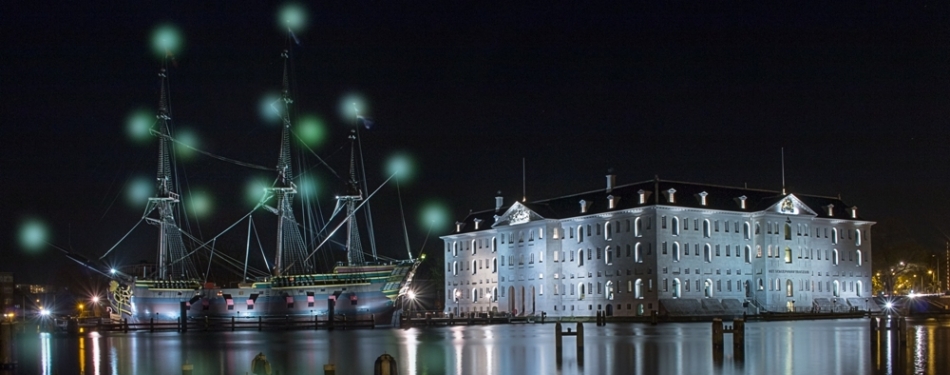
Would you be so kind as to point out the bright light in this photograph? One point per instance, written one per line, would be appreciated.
(270, 107)
(138, 191)
(201, 203)
(311, 130)
(138, 124)
(888, 305)
(401, 165)
(293, 17)
(112, 271)
(95, 299)
(351, 105)
(44, 312)
(435, 216)
(33, 235)
(166, 40)
(412, 295)
(912, 295)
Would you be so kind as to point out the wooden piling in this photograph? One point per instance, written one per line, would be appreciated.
(738, 338)
(558, 344)
(183, 315)
(260, 323)
(717, 333)
(902, 330)
(580, 335)
(329, 369)
(232, 324)
(653, 317)
(187, 368)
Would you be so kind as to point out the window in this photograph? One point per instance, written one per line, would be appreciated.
(857, 237)
(494, 244)
(706, 228)
(834, 253)
(638, 227)
(494, 265)
(758, 251)
(474, 245)
(676, 251)
(858, 253)
(676, 225)
(789, 288)
(637, 257)
(638, 289)
(788, 231)
(745, 231)
(580, 257)
(834, 235)
(788, 254)
(609, 258)
(707, 253)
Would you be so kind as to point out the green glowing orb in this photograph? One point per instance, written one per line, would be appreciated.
(138, 190)
(311, 130)
(270, 108)
(402, 166)
(292, 16)
(166, 40)
(187, 141)
(254, 190)
(351, 106)
(34, 234)
(435, 216)
(308, 186)
(137, 126)
(201, 203)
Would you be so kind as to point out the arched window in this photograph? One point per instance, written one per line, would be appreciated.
(706, 233)
(637, 256)
(837, 289)
(580, 233)
(474, 266)
(676, 225)
(834, 235)
(609, 257)
(788, 254)
(494, 244)
(788, 231)
(860, 262)
(676, 251)
(761, 284)
(474, 247)
(609, 289)
(455, 268)
(708, 288)
(834, 254)
(607, 231)
(758, 251)
(494, 265)
(707, 253)
(580, 257)
(789, 288)
(857, 237)
(455, 248)
(676, 288)
(758, 228)
(581, 291)
(638, 228)
(748, 254)
(858, 290)
(638, 289)
(474, 294)
(746, 231)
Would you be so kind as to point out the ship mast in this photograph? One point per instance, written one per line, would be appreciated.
(290, 251)
(354, 251)
(171, 261)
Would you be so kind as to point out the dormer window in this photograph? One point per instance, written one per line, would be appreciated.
(583, 206)
(612, 201)
(643, 196)
(702, 198)
(854, 212)
(670, 195)
(830, 208)
(458, 226)
(477, 222)
(742, 200)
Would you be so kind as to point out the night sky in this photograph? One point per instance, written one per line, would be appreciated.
(858, 96)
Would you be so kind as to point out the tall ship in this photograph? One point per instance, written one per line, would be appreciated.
(362, 286)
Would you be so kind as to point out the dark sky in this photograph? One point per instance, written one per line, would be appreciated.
(858, 96)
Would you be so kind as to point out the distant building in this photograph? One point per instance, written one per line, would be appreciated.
(675, 247)
(7, 302)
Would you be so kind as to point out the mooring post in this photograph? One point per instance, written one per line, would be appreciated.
(372, 320)
(874, 333)
(580, 336)
(187, 368)
(428, 319)
(331, 312)
(385, 365)
(329, 369)
(183, 315)
(344, 321)
(653, 317)
(557, 337)
(151, 324)
(206, 323)
(717, 333)
(316, 322)
(738, 338)
(232, 324)
(260, 323)
(902, 330)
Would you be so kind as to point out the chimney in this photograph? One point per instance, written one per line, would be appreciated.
(499, 201)
(611, 179)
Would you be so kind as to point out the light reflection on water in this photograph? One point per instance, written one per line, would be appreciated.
(802, 347)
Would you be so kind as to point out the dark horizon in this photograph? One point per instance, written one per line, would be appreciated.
(857, 96)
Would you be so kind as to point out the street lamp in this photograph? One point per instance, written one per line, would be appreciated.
(412, 298)
(458, 310)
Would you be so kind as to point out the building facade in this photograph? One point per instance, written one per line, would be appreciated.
(675, 248)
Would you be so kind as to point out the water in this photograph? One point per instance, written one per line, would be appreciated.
(800, 347)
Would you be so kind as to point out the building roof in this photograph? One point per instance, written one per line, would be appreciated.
(656, 193)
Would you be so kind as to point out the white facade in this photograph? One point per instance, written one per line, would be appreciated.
(690, 250)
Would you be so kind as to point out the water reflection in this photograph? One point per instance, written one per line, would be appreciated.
(820, 347)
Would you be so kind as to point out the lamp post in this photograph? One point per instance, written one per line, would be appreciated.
(457, 308)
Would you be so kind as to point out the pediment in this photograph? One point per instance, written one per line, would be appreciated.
(791, 205)
(517, 214)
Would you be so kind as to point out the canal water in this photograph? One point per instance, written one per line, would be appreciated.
(794, 347)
